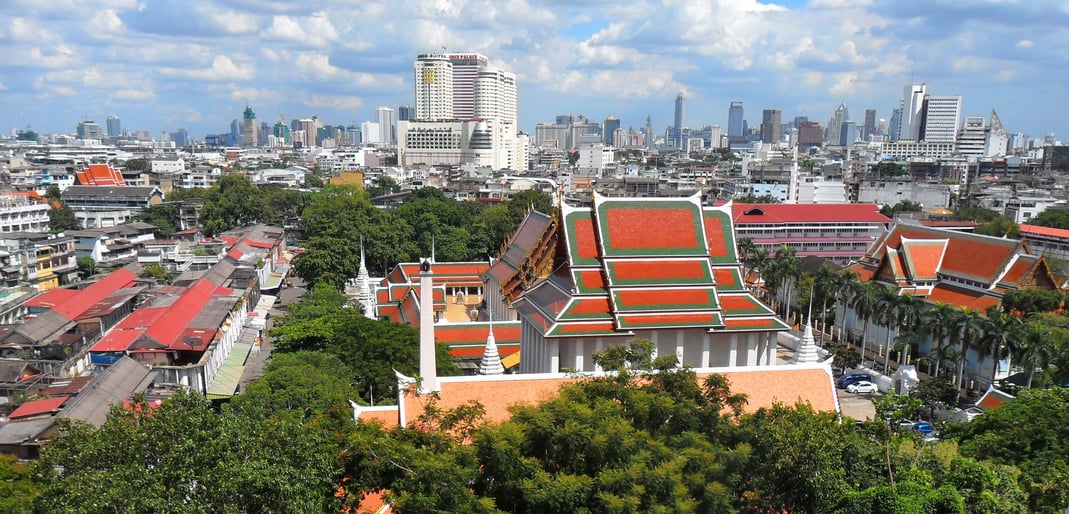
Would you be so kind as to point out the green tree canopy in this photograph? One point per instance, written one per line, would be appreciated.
(184, 456)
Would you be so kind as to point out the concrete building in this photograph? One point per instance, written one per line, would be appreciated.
(839, 232)
(771, 125)
(23, 213)
(942, 117)
(434, 87)
(386, 125)
(104, 206)
(735, 119)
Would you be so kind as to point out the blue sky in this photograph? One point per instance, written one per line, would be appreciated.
(165, 64)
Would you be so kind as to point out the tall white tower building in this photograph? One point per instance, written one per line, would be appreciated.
(495, 95)
(466, 68)
(942, 117)
(912, 116)
(434, 87)
(387, 125)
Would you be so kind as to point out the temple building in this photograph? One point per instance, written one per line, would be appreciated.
(663, 269)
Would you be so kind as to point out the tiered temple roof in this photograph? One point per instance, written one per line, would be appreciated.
(635, 264)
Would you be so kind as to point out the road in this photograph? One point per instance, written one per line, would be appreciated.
(254, 367)
(857, 406)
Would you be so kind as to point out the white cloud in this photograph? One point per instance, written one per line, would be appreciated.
(1025, 43)
(105, 23)
(222, 69)
(315, 30)
(130, 94)
(346, 102)
(3, 87)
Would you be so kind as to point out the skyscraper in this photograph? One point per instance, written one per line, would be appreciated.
(771, 125)
(466, 68)
(608, 127)
(911, 117)
(114, 126)
(835, 135)
(677, 122)
(387, 126)
(434, 87)
(406, 112)
(89, 130)
(735, 119)
(494, 93)
(870, 124)
(942, 116)
(249, 130)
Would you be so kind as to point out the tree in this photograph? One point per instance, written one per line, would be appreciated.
(866, 306)
(183, 456)
(843, 357)
(1001, 337)
(157, 272)
(138, 164)
(370, 349)
(1032, 300)
(970, 327)
(87, 267)
(18, 489)
(1036, 349)
(232, 202)
(163, 216)
(935, 393)
(939, 323)
(904, 206)
(1031, 432)
(1053, 218)
(889, 169)
(61, 217)
(905, 313)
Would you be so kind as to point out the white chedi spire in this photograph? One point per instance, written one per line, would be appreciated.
(363, 286)
(491, 363)
(807, 348)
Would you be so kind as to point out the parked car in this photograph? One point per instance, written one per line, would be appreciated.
(854, 377)
(926, 430)
(863, 386)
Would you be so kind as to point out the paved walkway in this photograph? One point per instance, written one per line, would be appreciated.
(254, 367)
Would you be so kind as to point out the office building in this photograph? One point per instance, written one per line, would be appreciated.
(387, 127)
(89, 130)
(942, 116)
(869, 129)
(434, 87)
(406, 112)
(911, 113)
(466, 69)
(810, 134)
(835, 135)
(114, 126)
(609, 128)
(735, 122)
(771, 125)
(249, 134)
(371, 131)
(675, 138)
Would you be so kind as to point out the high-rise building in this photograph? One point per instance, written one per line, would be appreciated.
(114, 126)
(810, 134)
(835, 136)
(771, 125)
(735, 120)
(466, 68)
(282, 134)
(912, 112)
(434, 87)
(308, 132)
(998, 140)
(869, 129)
(676, 134)
(564, 119)
(609, 128)
(180, 137)
(942, 117)
(89, 130)
(387, 127)
(371, 132)
(495, 95)
(894, 127)
(406, 113)
(249, 133)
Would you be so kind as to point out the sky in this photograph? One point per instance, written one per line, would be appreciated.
(167, 64)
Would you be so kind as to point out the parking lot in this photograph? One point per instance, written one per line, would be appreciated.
(857, 406)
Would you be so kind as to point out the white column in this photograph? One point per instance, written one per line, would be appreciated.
(705, 350)
(655, 337)
(679, 348)
(598, 343)
(751, 349)
(733, 351)
(554, 356)
(580, 350)
(770, 346)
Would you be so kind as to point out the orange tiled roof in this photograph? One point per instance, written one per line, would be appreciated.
(959, 297)
(923, 257)
(763, 387)
(99, 175)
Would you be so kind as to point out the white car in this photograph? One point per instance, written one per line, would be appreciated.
(862, 387)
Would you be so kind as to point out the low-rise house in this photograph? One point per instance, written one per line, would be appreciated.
(40, 260)
(108, 206)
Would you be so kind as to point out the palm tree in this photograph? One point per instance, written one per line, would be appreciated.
(826, 282)
(971, 326)
(848, 286)
(1002, 337)
(866, 302)
(1037, 349)
(938, 322)
(905, 312)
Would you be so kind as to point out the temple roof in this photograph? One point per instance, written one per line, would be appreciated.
(644, 263)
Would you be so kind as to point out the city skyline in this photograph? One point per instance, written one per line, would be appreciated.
(165, 65)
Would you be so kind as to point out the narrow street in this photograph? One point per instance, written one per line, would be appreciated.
(254, 367)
